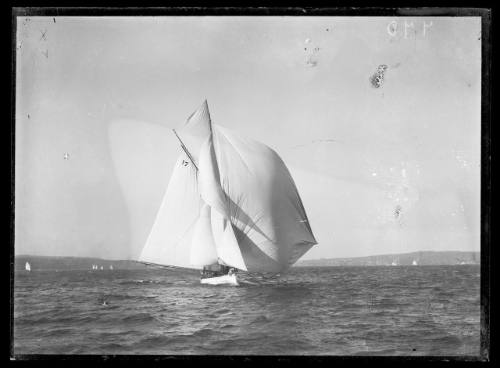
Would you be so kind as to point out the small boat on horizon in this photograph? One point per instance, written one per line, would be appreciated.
(27, 267)
(414, 263)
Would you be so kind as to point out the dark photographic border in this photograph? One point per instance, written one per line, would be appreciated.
(486, 270)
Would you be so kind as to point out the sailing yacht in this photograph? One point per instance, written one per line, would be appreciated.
(414, 263)
(394, 263)
(110, 267)
(231, 206)
(27, 267)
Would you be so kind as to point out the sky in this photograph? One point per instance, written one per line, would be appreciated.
(382, 170)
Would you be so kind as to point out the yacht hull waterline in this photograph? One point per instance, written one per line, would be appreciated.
(221, 280)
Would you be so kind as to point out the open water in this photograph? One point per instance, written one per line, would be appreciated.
(399, 310)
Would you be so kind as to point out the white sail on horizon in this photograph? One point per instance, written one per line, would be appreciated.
(27, 266)
(258, 222)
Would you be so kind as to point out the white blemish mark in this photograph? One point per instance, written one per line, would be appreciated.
(66, 156)
(408, 25)
(427, 26)
(392, 28)
(307, 40)
(374, 174)
(461, 159)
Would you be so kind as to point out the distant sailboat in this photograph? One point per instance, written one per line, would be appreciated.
(231, 204)
(110, 267)
(27, 267)
(102, 268)
(394, 263)
(414, 263)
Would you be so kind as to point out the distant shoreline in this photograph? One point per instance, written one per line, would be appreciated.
(422, 258)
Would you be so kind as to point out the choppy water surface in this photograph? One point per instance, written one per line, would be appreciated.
(402, 310)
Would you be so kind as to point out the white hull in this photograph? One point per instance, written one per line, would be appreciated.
(221, 280)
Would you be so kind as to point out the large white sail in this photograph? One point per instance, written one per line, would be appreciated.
(228, 249)
(209, 179)
(266, 211)
(202, 250)
(170, 239)
(259, 222)
(252, 217)
(196, 130)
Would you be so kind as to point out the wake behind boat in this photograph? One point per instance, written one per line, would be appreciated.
(231, 206)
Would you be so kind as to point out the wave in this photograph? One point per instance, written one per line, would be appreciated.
(139, 282)
(335, 311)
(139, 317)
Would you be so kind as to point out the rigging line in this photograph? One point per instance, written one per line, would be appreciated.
(185, 149)
(162, 266)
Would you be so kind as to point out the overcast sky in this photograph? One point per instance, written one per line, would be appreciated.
(380, 170)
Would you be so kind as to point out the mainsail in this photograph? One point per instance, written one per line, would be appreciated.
(170, 240)
(230, 200)
(203, 250)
